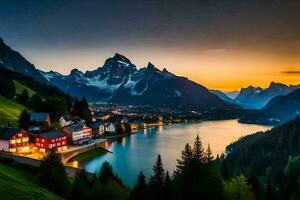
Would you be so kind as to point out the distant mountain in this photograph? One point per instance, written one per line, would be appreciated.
(256, 97)
(14, 61)
(223, 96)
(232, 94)
(279, 110)
(119, 81)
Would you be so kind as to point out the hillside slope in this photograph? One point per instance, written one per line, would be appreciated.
(14, 61)
(223, 96)
(265, 149)
(20, 184)
(21, 87)
(30, 83)
(9, 112)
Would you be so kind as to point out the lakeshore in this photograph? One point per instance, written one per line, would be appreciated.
(133, 153)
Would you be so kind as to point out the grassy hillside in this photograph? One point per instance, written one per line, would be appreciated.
(9, 111)
(20, 184)
(21, 87)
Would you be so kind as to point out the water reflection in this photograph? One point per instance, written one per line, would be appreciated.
(123, 141)
(160, 129)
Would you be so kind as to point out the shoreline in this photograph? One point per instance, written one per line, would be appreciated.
(114, 137)
(107, 139)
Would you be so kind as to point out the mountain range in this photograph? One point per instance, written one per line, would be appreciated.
(256, 97)
(279, 110)
(119, 81)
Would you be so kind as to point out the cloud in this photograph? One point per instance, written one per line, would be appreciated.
(291, 72)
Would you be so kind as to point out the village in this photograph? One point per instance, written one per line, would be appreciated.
(69, 134)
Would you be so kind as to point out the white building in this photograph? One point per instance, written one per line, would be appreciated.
(64, 122)
(110, 127)
(78, 132)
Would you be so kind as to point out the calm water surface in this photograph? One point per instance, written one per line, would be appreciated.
(137, 152)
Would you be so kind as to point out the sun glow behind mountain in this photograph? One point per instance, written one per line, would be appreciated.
(218, 69)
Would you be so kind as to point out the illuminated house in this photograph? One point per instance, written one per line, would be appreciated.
(98, 128)
(39, 122)
(52, 139)
(64, 121)
(14, 140)
(110, 127)
(78, 133)
(134, 126)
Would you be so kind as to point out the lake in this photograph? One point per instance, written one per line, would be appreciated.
(137, 152)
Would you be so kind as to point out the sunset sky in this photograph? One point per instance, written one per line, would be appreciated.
(220, 44)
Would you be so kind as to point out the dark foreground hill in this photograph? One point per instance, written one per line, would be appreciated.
(265, 149)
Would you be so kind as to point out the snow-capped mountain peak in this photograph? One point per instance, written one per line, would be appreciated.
(256, 97)
(119, 81)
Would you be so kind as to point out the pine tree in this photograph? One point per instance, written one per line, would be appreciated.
(7, 88)
(224, 169)
(53, 175)
(253, 180)
(81, 108)
(291, 182)
(141, 182)
(167, 188)
(23, 98)
(198, 180)
(80, 186)
(159, 173)
(157, 180)
(106, 172)
(208, 155)
(139, 192)
(167, 180)
(198, 151)
(56, 106)
(76, 106)
(86, 112)
(24, 120)
(36, 103)
(186, 157)
(268, 186)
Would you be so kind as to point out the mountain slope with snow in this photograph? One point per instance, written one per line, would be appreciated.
(256, 97)
(119, 81)
(279, 110)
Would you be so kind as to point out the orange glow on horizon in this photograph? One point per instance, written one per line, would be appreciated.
(223, 69)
